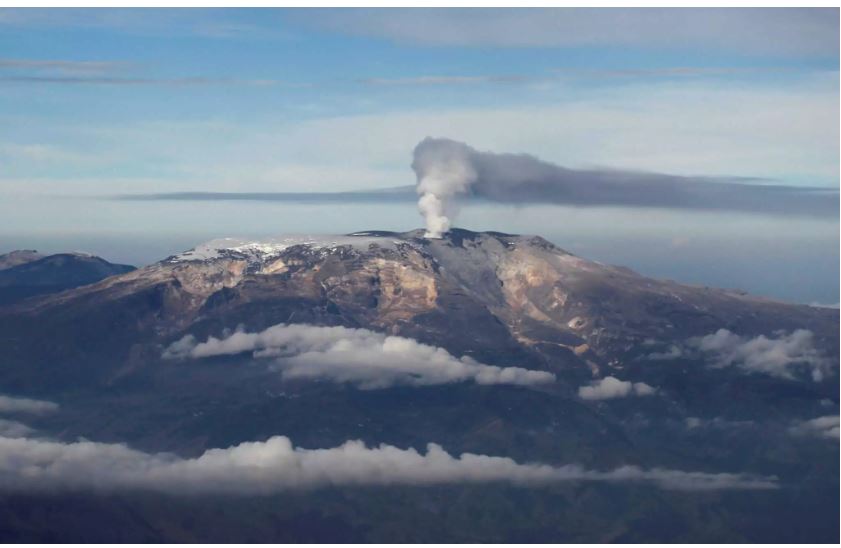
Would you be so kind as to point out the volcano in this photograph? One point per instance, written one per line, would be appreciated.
(237, 341)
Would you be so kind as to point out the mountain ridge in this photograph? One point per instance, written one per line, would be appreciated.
(27, 273)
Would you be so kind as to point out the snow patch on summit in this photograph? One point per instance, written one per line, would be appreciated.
(262, 250)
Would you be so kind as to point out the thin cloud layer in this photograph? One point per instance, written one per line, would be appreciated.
(781, 357)
(362, 357)
(115, 81)
(10, 404)
(824, 427)
(275, 465)
(716, 422)
(71, 72)
(64, 66)
(611, 387)
(758, 31)
(448, 80)
(14, 429)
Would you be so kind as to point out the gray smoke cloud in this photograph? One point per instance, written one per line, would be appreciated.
(362, 357)
(275, 465)
(448, 170)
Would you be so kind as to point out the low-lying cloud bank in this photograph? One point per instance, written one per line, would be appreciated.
(611, 387)
(10, 404)
(275, 465)
(780, 357)
(362, 357)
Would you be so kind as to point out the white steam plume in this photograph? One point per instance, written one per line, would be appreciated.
(444, 170)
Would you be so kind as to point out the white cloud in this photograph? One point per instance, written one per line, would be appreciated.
(46, 155)
(825, 427)
(448, 80)
(757, 31)
(14, 429)
(825, 305)
(642, 389)
(359, 356)
(187, 81)
(64, 66)
(672, 353)
(779, 357)
(275, 465)
(144, 22)
(716, 422)
(611, 387)
(9, 404)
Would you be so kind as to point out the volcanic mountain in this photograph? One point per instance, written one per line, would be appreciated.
(238, 340)
(489, 293)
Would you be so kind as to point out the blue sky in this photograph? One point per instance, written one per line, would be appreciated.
(102, 102)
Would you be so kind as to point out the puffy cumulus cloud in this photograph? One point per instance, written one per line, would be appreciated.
(780, 357)
(10, 404)
(825, 427)
(611, 387)
(275, 465)
(362, 357)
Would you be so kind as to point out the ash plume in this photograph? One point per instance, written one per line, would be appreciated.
(448, 170)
